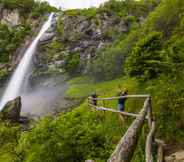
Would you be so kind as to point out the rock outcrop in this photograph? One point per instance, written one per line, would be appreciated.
(175, 157)
(9, 17)
(80, 36)
(11, 110)
(46, 37)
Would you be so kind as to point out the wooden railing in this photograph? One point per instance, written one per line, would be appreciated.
(125, 149)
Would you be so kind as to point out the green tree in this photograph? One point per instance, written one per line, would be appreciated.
(146, 60)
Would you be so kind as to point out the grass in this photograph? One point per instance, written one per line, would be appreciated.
(82, 87)
(112, 124)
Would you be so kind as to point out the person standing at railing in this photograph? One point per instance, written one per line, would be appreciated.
(121, 101)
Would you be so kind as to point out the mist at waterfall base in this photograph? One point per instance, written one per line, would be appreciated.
(19, 80)
(44, 97)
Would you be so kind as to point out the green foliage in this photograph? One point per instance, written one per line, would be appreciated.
(59, 27)
(129, 7)
(3, 73)
(24, 6)
(146, 60)
(72, 137)
(72, 63)
(88, 13)
(40, 8)
(80, 134)
(156, 56)
(10, 38)
(167, 95)
(109, 64)
(9, 135)
(111, 34)
(163, 20)
(175, 50)
(53, 50)
(36, 8)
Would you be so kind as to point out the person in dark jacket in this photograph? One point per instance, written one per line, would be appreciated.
(93, 99)
(121, 101)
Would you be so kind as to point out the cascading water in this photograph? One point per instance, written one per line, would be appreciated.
(13, 89)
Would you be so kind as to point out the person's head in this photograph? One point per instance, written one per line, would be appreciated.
(125, 91)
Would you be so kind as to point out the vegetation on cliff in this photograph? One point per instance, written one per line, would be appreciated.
(28, 8)
(12, 35)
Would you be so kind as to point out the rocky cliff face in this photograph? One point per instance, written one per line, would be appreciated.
(75, 40)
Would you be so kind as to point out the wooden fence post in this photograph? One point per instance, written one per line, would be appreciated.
(160, 151)
(149, 143)
(150, 115)
(160, 154)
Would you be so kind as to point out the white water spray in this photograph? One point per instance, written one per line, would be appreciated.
(13, 89)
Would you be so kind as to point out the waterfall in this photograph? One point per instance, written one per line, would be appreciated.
(17, 80)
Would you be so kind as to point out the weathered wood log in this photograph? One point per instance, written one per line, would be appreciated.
(150, 116)
(115, 111)
(126, 147)
(149, 143)
(127, 96)
(160, 151)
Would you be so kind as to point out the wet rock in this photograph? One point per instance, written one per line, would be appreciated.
(46, 37)
(11, 110)
(59, 63)
(84, 25)
(89, 161)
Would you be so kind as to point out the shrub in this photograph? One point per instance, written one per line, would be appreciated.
(72, 63)
(75, 136)
(10, 38)
(9, 135)
(108, 65)
(163, 20)
(146, 60)
(167, 92)
(36, 8)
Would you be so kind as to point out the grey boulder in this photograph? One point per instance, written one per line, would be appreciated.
(11, 110)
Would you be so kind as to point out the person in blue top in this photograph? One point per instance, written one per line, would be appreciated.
(121, 101)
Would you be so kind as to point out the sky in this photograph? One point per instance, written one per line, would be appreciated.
(71, 4)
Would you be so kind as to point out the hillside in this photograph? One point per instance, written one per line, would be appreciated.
(134, 44)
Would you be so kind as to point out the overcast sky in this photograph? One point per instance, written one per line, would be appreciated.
(71, 4)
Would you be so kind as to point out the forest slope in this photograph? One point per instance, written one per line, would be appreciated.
(149, 58)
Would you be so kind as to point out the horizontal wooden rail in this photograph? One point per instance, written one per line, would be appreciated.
(115, 98)
(113, 110)
(126, 147)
